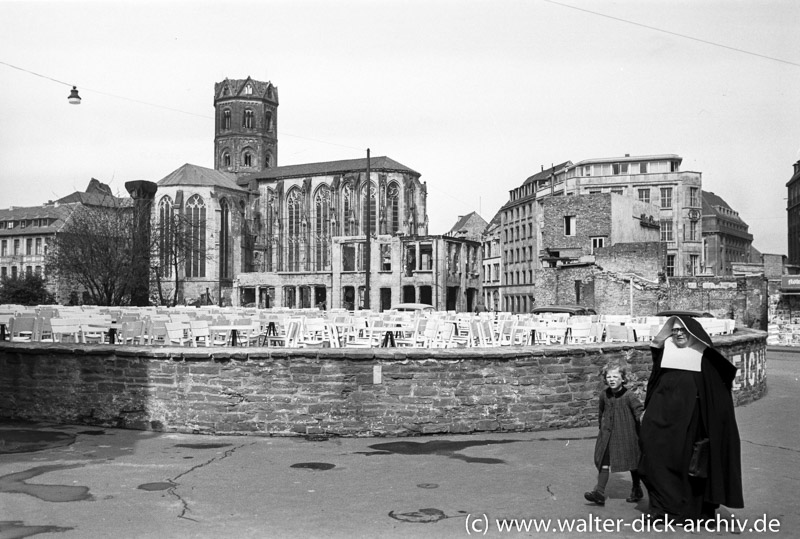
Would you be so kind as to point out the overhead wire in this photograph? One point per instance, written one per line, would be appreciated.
(685, 36)
(205, 116)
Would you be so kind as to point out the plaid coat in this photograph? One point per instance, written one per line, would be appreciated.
(619, 427)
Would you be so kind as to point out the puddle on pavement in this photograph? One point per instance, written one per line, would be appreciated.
(426, 516)
(427, 485)
(203, 446)
(161, 485)
(446, 448)
(15, 483)
(28, 441)
(320, 466)
(18, 530)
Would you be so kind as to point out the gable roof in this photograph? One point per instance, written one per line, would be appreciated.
(472, 219)
(327, 168)
(199, 176)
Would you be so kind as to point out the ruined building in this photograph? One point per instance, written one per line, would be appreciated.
(296, 236)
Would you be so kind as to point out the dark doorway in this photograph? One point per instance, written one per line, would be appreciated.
(349, 298)
(409, 294)
(321, 298)
(426, 295)
(386, 299)
(452, 298)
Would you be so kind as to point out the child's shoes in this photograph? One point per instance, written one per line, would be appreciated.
(595, 497)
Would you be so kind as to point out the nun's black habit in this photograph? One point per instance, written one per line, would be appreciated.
(689, 398)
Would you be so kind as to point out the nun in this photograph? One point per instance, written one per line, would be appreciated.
(690, 449)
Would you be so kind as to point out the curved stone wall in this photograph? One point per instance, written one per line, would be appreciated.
(346, 392)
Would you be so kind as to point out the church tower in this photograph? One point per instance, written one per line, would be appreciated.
(246, 126)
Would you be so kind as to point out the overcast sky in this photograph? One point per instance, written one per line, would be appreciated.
(475, 95)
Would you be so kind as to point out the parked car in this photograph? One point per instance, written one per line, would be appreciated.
(678, 312)
(413, 307)
(572, 310)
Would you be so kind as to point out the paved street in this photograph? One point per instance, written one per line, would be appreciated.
(87, 482)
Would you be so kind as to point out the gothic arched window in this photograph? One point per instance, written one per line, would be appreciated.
(196, 236)
(225, 250)
(322, 228)
(393, 203)
(347, 210)
(248, 159)
(166, 235)
(226, 159)
(294, 232)
(373, 210)
(226, 119)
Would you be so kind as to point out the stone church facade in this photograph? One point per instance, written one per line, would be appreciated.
(296, 236)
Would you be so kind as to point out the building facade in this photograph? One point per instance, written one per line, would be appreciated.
(726, 240)
(793, 215)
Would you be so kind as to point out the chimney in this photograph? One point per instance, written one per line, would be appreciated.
(627, 155)
(797, 168)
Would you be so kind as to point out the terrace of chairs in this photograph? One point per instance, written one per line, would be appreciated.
(312, 328)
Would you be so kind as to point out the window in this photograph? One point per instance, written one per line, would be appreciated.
(386, 257)
(38, 270)
(14, 272)
(294, 237)
(666, 197)
(322, 228)
(38, 248)
(373, 210)
(617, 190)
(352, 256)
(248, 90)
(28, 271)
(226, 119)
(29, 246)
(165, 236)
(248, 159)
(16, 247)
(644, 195)
(642, 168)
(226, 159)
(247, 119)
(393, 196)
(196, 221)
(694, 264)
(225, 244)
(4, 248)
(4, 272)
(694, 199)
(670, 268)
(598, 243)
(569, 225)
(620, 168)
(692, 231)
(666, 230)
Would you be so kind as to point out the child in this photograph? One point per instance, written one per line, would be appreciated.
(617, 447)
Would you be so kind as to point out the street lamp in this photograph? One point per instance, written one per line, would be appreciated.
(74, 98)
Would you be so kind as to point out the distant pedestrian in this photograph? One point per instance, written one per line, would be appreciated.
(617, 446)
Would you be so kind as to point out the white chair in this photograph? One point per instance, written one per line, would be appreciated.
(177, 334)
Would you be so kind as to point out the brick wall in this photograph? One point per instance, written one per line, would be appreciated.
(395, 392)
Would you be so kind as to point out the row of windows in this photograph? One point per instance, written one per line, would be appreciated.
(248, 159)
(248, 119)
(622, 168)
(25, 223)
(518, 277)
(518, 233)
(29, 270)
(32, 246)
